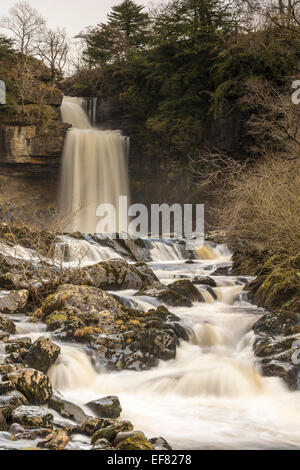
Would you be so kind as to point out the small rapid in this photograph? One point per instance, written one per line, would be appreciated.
(212, 395)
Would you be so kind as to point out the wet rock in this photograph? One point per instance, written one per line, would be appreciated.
(159, 443)
(57, 440)
(3, 423)
(108, 407)
(8, 368)
(122, 436)
(110, 432)
(181, 293)
(7, 325)
(67, 409)
(17, 348)
(277, 346)
(121, 337)
(117, 274)
(278, 324)
(223, 271)
(135, 443)
(145, 339)
(6, 387)
(13, 358)
(11, 401)
(91, 425)
(103, 444)
(33, 416)
(33, 384)
(204, 281)
(165, 294)
(42, 355)
(14, 301)
(4, 336)
(33, 434)
(23, 343)
(79, 301)
(186, 289)
(138, 248)
(16, 428)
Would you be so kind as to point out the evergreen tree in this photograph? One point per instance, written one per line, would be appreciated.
(125, 31)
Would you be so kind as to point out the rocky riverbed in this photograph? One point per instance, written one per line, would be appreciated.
(94, 331)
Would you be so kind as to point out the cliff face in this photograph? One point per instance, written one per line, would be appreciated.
(156, 175)
(31, 144)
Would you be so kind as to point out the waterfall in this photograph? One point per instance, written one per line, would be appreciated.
(91, 110)
(94, 170)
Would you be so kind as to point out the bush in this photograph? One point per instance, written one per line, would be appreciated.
(263, 205)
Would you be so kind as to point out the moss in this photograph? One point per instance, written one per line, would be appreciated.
(86, 332)
(278, 289)
(56, 317)
(132, 443)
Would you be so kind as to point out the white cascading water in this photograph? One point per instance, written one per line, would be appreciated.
(94, 169)
(211, 396)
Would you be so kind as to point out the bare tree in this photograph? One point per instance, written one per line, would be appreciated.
(53, 48)
(24, 24)
(76, 62)
(282, 13)
(274, 121)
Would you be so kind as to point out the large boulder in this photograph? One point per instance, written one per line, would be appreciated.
(103, 444)
(7, 325)
(6, 387)
(159, 443)
(110, 432)
(91, 425)
(122, 436)
(108, 407)
(204, 281)
(14, 301)
(118, 274)
(67, 409)
(57, 440)
(277, 346)
(33, 384)
(42, 354)
(79, 302)
(33, 416)
(10, 401)
(135, 443)
(123, 338)
(181, 293)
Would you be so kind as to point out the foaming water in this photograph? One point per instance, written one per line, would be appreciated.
(72, 369)
(94, 170)
(211, 396)
(165, 250)
(81, 253)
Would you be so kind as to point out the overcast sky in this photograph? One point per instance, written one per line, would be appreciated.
(73, 15)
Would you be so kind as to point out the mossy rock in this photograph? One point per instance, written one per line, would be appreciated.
(135, 443)
(110, 432)
(33, 384)
(278, 288)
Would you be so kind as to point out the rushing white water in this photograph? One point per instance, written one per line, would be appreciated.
(165, 250)
(90, 106)
(94, 170)
(80, 253)
(211, 396)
